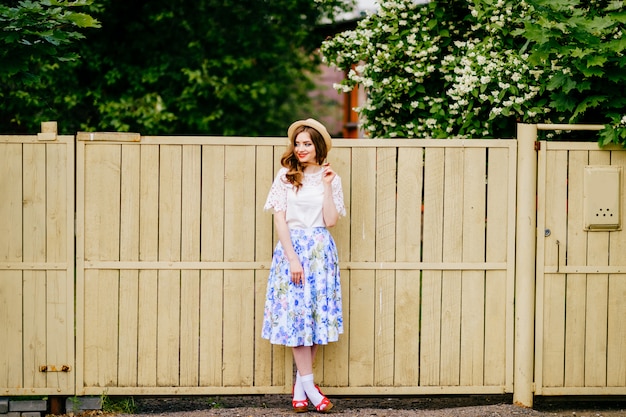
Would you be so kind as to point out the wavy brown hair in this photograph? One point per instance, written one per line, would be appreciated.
(295, 170)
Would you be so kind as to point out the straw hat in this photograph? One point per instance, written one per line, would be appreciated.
(315, 125)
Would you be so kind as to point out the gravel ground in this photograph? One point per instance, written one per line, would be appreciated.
(435, 406)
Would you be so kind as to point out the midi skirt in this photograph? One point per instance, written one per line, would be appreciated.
(309, 313)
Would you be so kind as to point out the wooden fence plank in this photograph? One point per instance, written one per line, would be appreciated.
(384, 336)
(212, 236)
(11, 238)
(616, 340)
(363, 290)
(239, 203)
(212, 282)
(431, 324)
(59, 296)
(336, 355)
(407, 319)
(34, 327)
(148, 251)
(597, 298)
(239, 328)
(363, 214)
(212, 328)
(451, 284)
(336, 362)
(386, 196)
(34, 250)
(102, 173)
(473, 282)
(60, 248)
(362, 327)
(169, 288)
(129, 279)
(576, 251)
(341, 162)
(262, 348)
(34, 202)
(11, 306)
(263, 252)
(101, 337)
(408, 248)
(190, 251)
(496, 297)
(554, 290)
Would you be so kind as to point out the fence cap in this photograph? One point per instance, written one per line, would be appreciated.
(109, 136)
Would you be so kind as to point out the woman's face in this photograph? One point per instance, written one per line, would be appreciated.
(304, 149)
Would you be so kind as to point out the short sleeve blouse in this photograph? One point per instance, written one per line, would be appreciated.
(303, 209)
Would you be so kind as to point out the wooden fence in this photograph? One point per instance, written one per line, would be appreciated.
(173, 250)
(37, 264)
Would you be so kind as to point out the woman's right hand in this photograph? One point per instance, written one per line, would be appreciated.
(297, 273)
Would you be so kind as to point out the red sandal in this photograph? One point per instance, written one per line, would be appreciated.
(299, 406)
(324, 406)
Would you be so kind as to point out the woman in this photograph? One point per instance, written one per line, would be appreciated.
(303, 304)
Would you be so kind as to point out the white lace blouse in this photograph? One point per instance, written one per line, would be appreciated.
(304, 208)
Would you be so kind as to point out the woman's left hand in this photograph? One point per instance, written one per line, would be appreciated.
(329, 174)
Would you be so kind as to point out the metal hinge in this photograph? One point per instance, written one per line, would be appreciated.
(537, 146)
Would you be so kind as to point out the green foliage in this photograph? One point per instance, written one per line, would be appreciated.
(35, 37)
(35, 32)
(75, 401)
(215, 403)
(459, 69)
(584, 44)
(118, 405)
(222, 67)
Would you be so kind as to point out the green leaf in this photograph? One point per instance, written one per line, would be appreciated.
(588, 103)
(561, 81)
(615, 5)
(562, 102)
(596, 61)
(591, 71)
(83, 20)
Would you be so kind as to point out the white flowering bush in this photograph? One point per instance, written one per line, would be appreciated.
(456, 69)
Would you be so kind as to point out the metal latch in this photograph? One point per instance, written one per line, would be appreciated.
(53, 368)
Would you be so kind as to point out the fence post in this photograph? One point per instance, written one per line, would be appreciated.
(48, 131)
(525, 265)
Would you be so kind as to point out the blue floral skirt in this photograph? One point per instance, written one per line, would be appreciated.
(309, 313)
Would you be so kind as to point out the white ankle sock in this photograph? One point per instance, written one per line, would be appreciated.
(310, 389)
(298, 389)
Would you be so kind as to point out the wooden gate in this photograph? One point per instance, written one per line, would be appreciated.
(173, 250)
(581, 271)
(37, 264)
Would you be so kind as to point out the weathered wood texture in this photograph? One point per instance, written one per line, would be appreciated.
(174, 248)
(36, 265)
(581, 280)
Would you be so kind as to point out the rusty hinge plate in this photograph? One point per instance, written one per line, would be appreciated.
(537, 146)
(54, 368)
